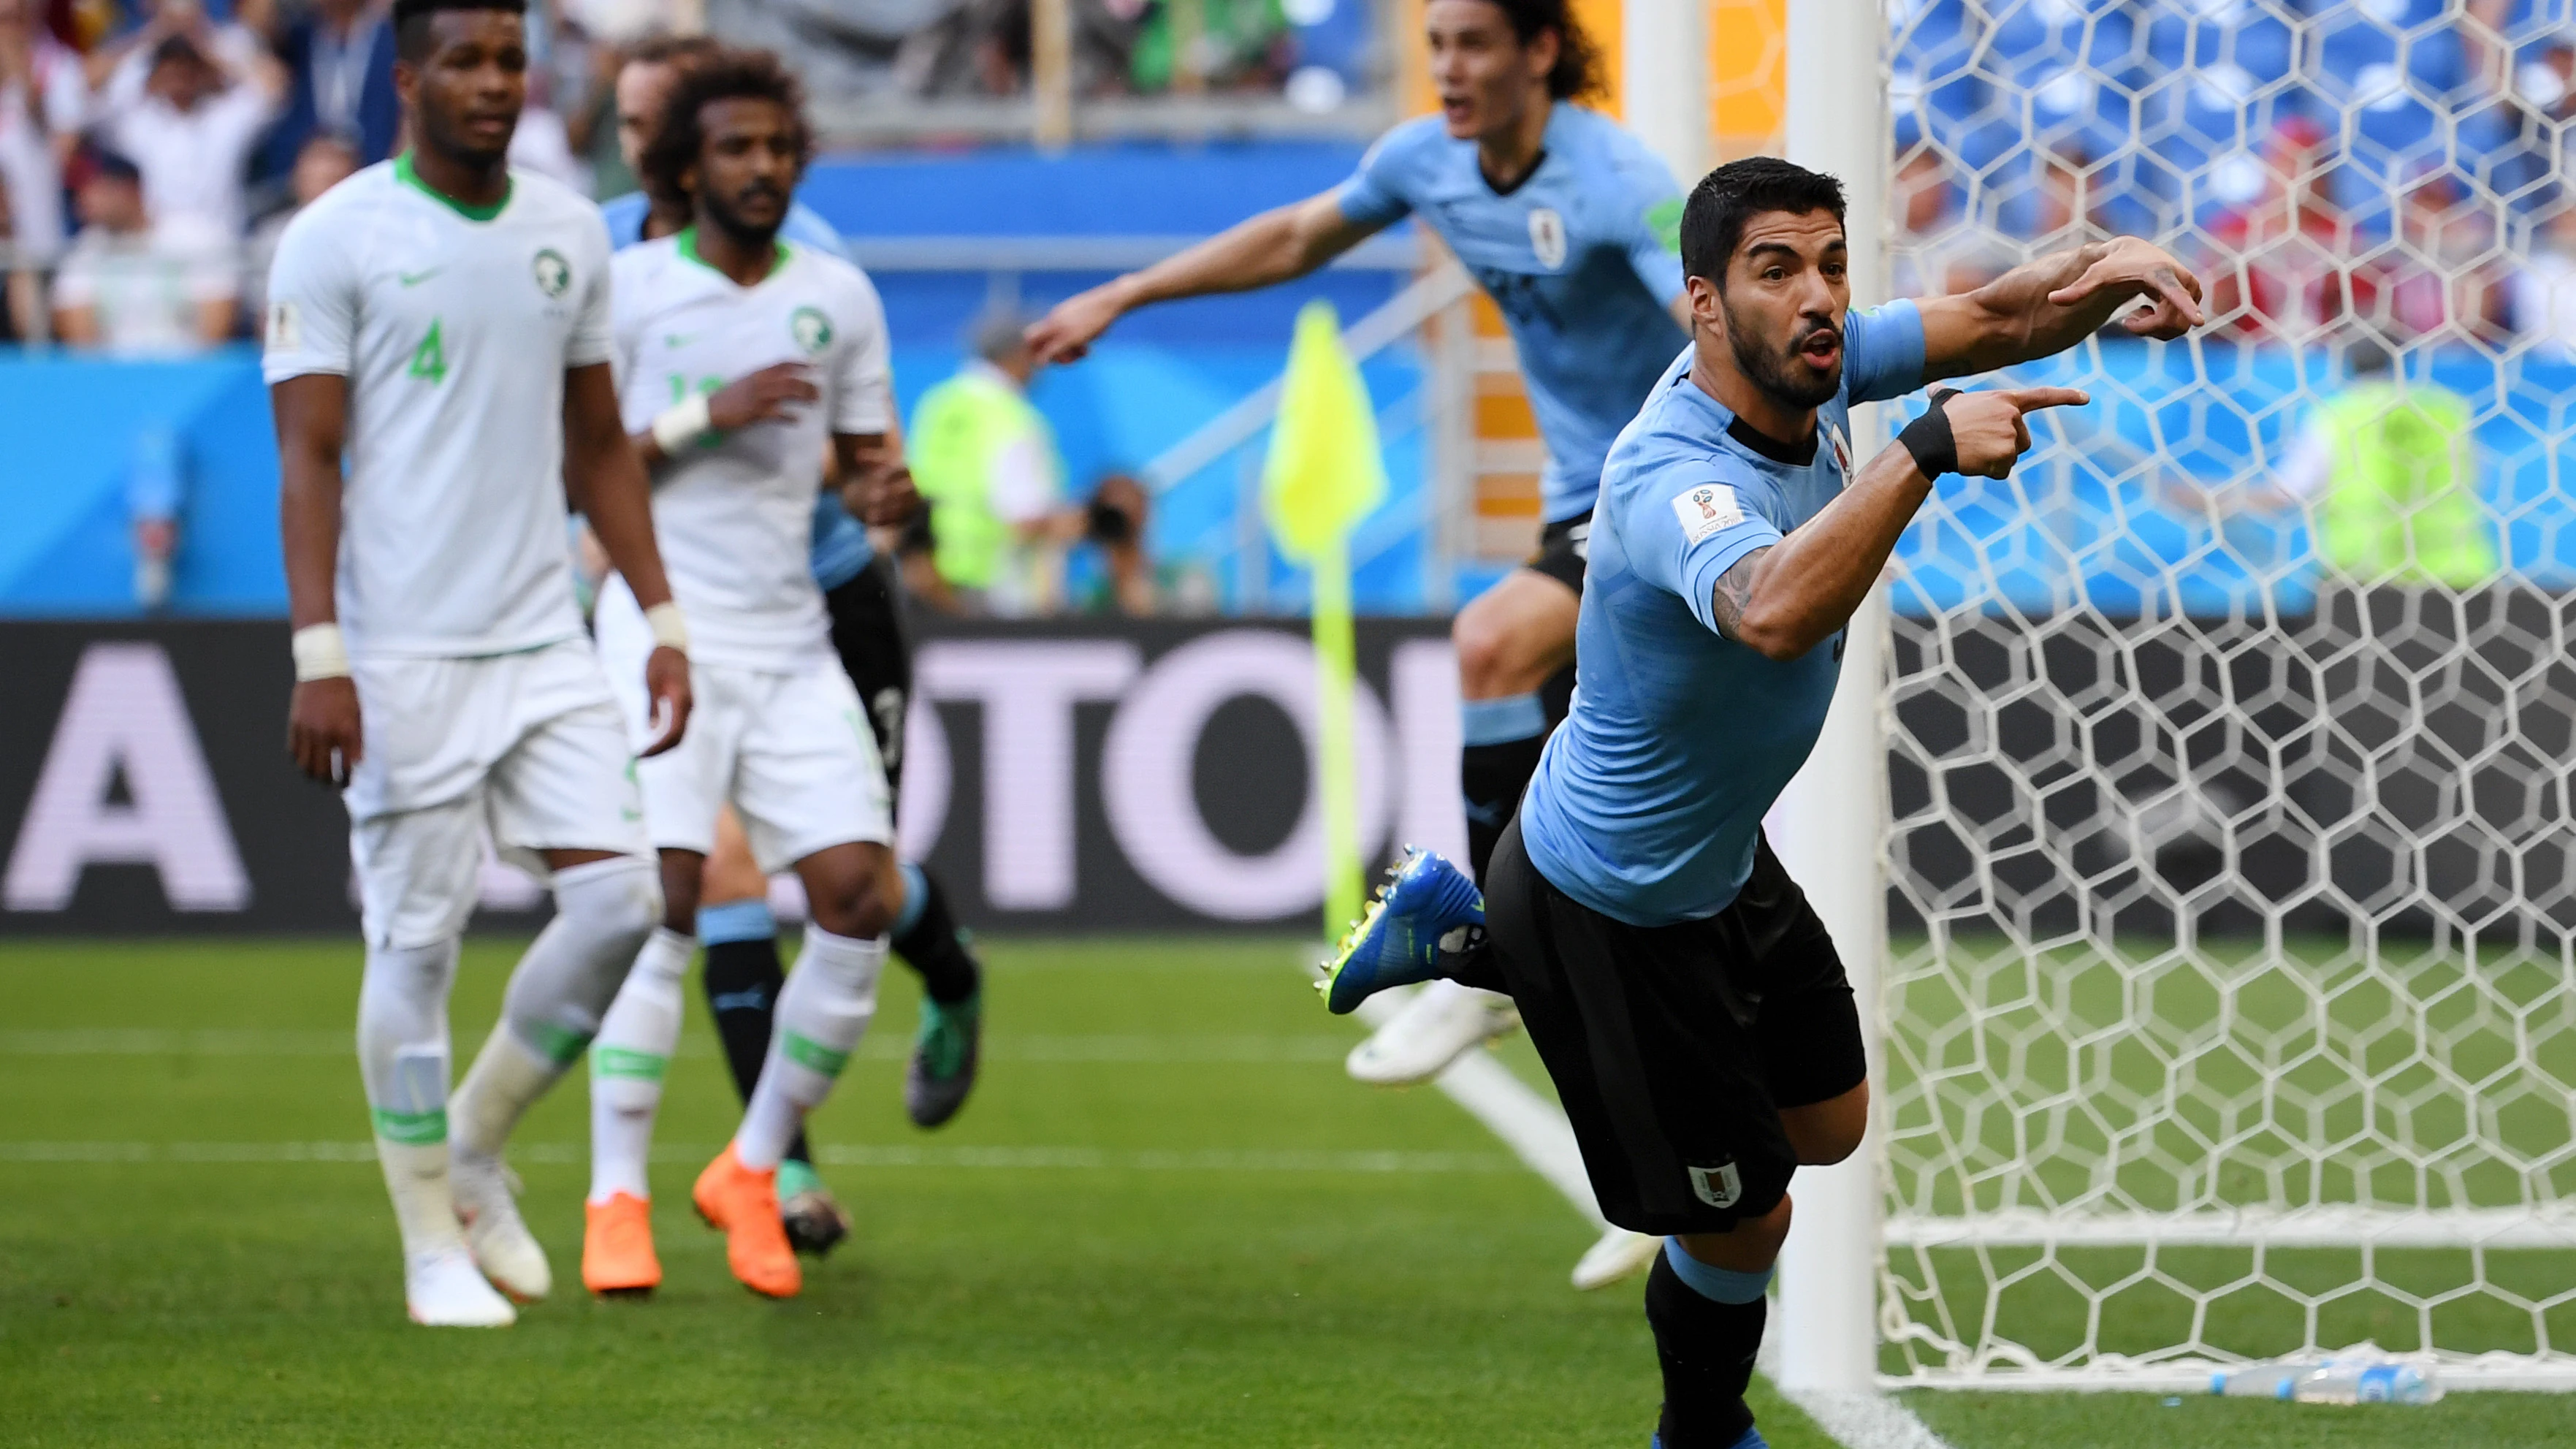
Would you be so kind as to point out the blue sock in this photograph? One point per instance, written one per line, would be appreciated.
(736, 921)
(916, 898)
(1718, 1285)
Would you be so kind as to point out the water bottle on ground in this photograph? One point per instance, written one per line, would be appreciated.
(2348, 1380)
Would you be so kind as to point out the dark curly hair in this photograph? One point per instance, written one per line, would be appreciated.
(1577, 72)
(725, 75)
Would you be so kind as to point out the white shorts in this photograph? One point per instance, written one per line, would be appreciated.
(790, 751)
(529, 747)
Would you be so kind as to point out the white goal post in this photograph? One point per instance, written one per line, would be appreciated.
(2210, 866)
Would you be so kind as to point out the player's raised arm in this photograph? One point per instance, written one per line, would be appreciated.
(2041, 308)
(1276, 246)
(609, 487)
(1784, 600)
(322, 726)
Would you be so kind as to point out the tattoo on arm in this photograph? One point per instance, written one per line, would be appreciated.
(1733, 591)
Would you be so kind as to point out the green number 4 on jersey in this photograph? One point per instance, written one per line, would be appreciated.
(429, 360)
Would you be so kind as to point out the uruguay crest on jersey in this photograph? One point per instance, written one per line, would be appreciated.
(1547, 237)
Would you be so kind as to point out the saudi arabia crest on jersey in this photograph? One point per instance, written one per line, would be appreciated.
(553, 273)
(811, 329)
(1547, 237)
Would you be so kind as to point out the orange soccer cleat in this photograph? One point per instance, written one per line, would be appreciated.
(617, 1247)
(743, 1205)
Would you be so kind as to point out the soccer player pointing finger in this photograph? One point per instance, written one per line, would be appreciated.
(1687, 1002)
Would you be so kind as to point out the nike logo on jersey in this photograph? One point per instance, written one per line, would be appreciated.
(677, 339)
(414, 279)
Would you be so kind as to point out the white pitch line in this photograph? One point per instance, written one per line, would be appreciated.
(1121, 1050)
(1289, 1160)
(1536, 1131)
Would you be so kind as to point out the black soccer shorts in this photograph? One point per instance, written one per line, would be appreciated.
(1562, 547)
(1674, 1048)
(868, 633)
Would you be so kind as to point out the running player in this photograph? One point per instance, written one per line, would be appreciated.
(1567, 222)
(741, 359)
(863, 596)
(444, 324)
(1683, 996)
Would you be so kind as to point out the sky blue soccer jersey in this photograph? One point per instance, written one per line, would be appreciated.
(1650, 795)
(841, 546)
(1583, 257)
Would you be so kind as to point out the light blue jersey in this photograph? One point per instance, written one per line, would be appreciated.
(1651, 794)
(1583, 257)
(841, 546)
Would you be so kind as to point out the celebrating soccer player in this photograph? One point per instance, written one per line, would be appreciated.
(1684, 997)
(1566, 220)
(444, 323)
(741, 359)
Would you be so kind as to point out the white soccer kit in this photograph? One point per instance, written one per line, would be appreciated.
(482, 705)
(778, 730)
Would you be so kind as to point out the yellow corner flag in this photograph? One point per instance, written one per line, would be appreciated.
(1323, 476)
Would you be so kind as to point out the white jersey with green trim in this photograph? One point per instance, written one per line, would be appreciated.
(735, 513)
(454, 326)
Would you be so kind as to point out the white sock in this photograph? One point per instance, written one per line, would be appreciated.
(627, 1060)
(822, 1013)
(403, 1059)
(604, 910)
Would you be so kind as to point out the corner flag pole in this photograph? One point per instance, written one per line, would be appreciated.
(1324, 474)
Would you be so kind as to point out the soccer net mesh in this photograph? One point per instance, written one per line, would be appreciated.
(2231, 1011)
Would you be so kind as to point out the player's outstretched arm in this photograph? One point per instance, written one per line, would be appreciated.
(322, 728)
(1784, 600)
(1277, 245)
(609, 487)
(2043, 307)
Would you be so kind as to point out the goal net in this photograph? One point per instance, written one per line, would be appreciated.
(2230, 1007)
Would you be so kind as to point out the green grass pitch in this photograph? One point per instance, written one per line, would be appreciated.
(1166, 1219)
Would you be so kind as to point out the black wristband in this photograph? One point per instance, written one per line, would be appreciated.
(1928, 437)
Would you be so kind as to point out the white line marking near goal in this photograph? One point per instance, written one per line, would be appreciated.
(1536, 1131)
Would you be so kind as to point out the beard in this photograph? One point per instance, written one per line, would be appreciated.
(726, 213)
(1780, 373)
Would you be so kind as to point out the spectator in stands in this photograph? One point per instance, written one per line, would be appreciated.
(339, 61)
(125, 288)
(31, 212)
(2544, 290)
(119, 70)
(326, 159)
(2277, 263)
(42, 79)
(986, 462)
(1937, 253)
(1116, 527)
(2444, 281)
(192, 134)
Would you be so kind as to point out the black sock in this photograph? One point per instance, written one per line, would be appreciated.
(1491, 778)
(1706, 1348)
(1473, 964)
(937, 949)
(742, 980)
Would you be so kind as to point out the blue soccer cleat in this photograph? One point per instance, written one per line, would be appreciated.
(1397, 942)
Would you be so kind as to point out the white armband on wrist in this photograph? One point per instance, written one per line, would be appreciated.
(320, 653)
(679, 428)
(670, 631)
